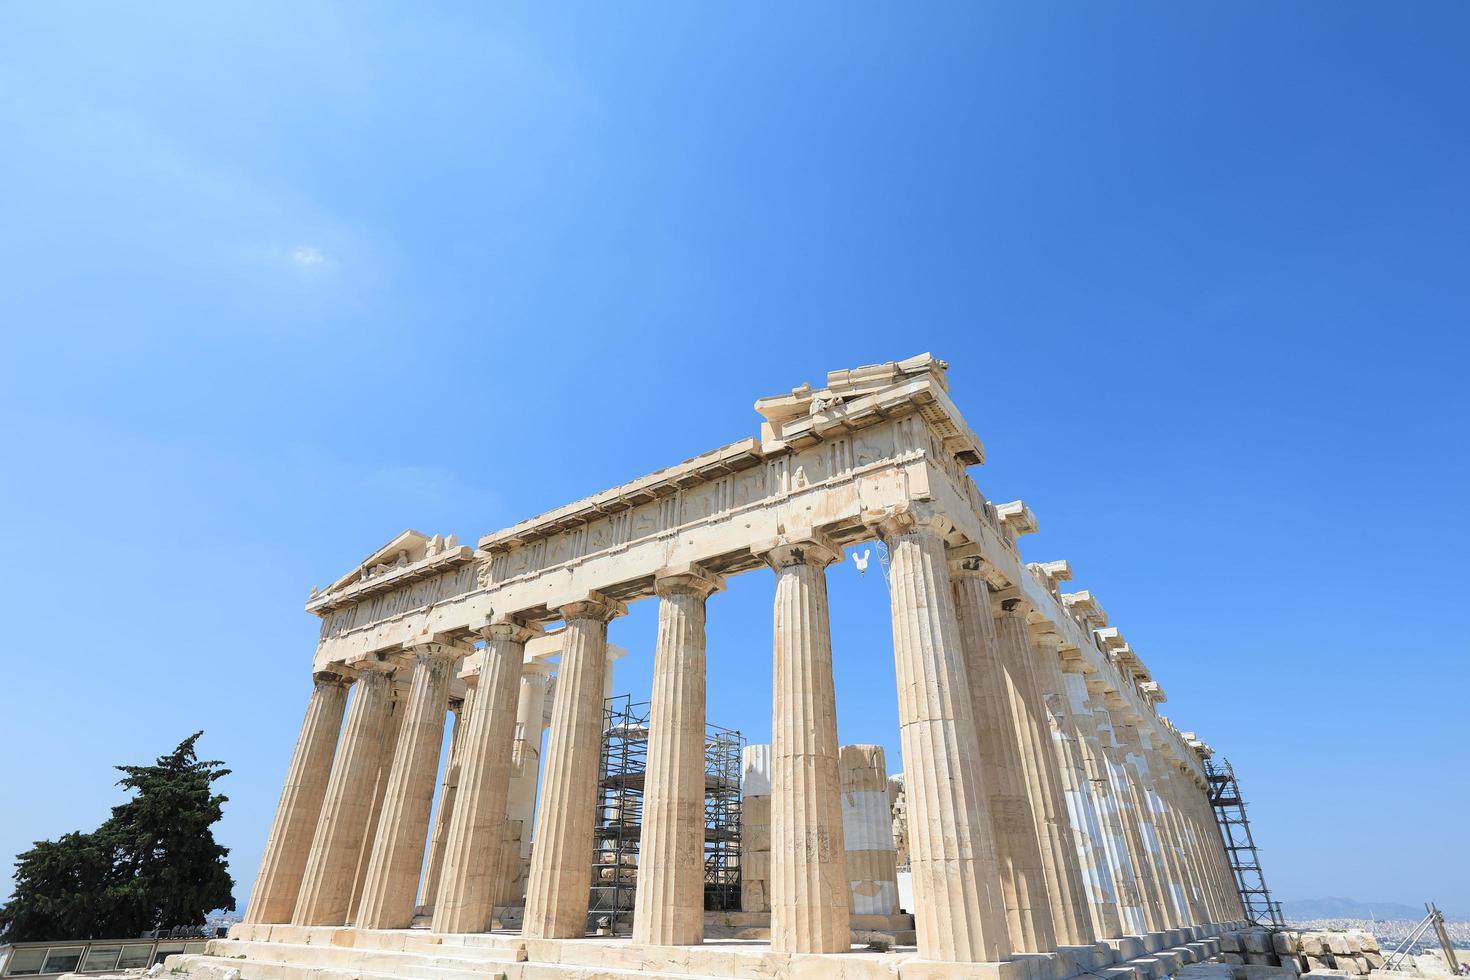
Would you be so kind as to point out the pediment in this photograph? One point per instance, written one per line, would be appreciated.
(408, 556)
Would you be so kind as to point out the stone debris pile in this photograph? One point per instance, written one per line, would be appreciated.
(1263, 954)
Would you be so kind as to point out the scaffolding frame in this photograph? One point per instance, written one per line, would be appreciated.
(1240, 845)
(619, 823)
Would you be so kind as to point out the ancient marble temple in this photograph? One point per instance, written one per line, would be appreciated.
(1055, 822)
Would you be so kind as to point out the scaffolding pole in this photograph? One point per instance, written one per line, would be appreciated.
(619, 823)
(1240, 845)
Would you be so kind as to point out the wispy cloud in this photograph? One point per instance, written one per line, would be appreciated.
(308, 256)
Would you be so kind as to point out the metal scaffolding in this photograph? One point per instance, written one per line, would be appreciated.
(1240, 845)
(620, 816)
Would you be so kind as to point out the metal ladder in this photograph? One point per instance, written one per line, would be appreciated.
(1240, 845)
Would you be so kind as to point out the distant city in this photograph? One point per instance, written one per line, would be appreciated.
(1391, 922)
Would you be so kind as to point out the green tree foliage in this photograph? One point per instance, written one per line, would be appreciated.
(154, 864)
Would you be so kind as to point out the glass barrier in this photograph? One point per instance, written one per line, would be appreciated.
(26, 962)
(101, 958)
(135, 957)
(63, 959)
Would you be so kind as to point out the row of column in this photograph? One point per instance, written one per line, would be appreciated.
(1039, 814)
(1085, 832)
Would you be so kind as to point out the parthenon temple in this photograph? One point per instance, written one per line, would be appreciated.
(1053, 822)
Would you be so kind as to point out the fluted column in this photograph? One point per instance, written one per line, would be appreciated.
(379, 790)
(1014, 827)
(1096, 767)
(1083, 820)
(473, 850)
(326, 883)
(668, 907)
(1070, 916)
(273, 899)
(398, 849)
(525, 773)
(867, 831)
(448, 796)
(561, 863)
(1135, 774)
(959, 906)
(1130, 809)
(809, 911)
(1184, 838)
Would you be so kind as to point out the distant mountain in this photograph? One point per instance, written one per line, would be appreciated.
(1351, 908)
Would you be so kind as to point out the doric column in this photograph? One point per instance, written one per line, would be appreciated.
(1165, 826)
(1083, 820)
(959, 907)
(561, 863)
(273, 899)
(326, 884)
(533, 714)
(867, 831)
(1184, 840)
(398, 849)
(379, 790)
(1130, 809)
(808, 865)
(525, 772)
(668, 907)
(472, 853)
(1071, 917)
(1135, 771)
(1017, 847)
(448, 794)
(1095, 766)
(755, 829)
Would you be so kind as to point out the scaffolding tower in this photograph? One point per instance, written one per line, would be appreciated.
(1240, 845)
(619, 823)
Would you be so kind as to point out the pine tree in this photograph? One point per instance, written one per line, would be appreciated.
(154, 864)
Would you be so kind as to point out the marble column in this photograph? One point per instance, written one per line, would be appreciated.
(525, 773)
(1013, 824)
(561, 862)
(1082, 812)
(273, 899)
(1135, 772)
(867, 831)
(1182, 788)
(755, 829)
(398, 849)
(448, 795)
(809, 911)
(1130, 809)
(668, 907)
(1071, 917)
(1095, 764)
(959, 907)
(472, 853)
(326, 883)
(379, 790)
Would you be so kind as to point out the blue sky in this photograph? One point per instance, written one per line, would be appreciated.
(281, 279)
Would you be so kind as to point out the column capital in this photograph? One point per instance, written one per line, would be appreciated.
(594, 606)
(806, 547)
(686, 579)
(908, 517)
(339, 676)
(506, 629)
(423, 651)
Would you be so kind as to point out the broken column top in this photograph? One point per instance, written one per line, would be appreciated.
(755, 765)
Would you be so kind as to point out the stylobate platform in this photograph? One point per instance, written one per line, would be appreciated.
(272, 952)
